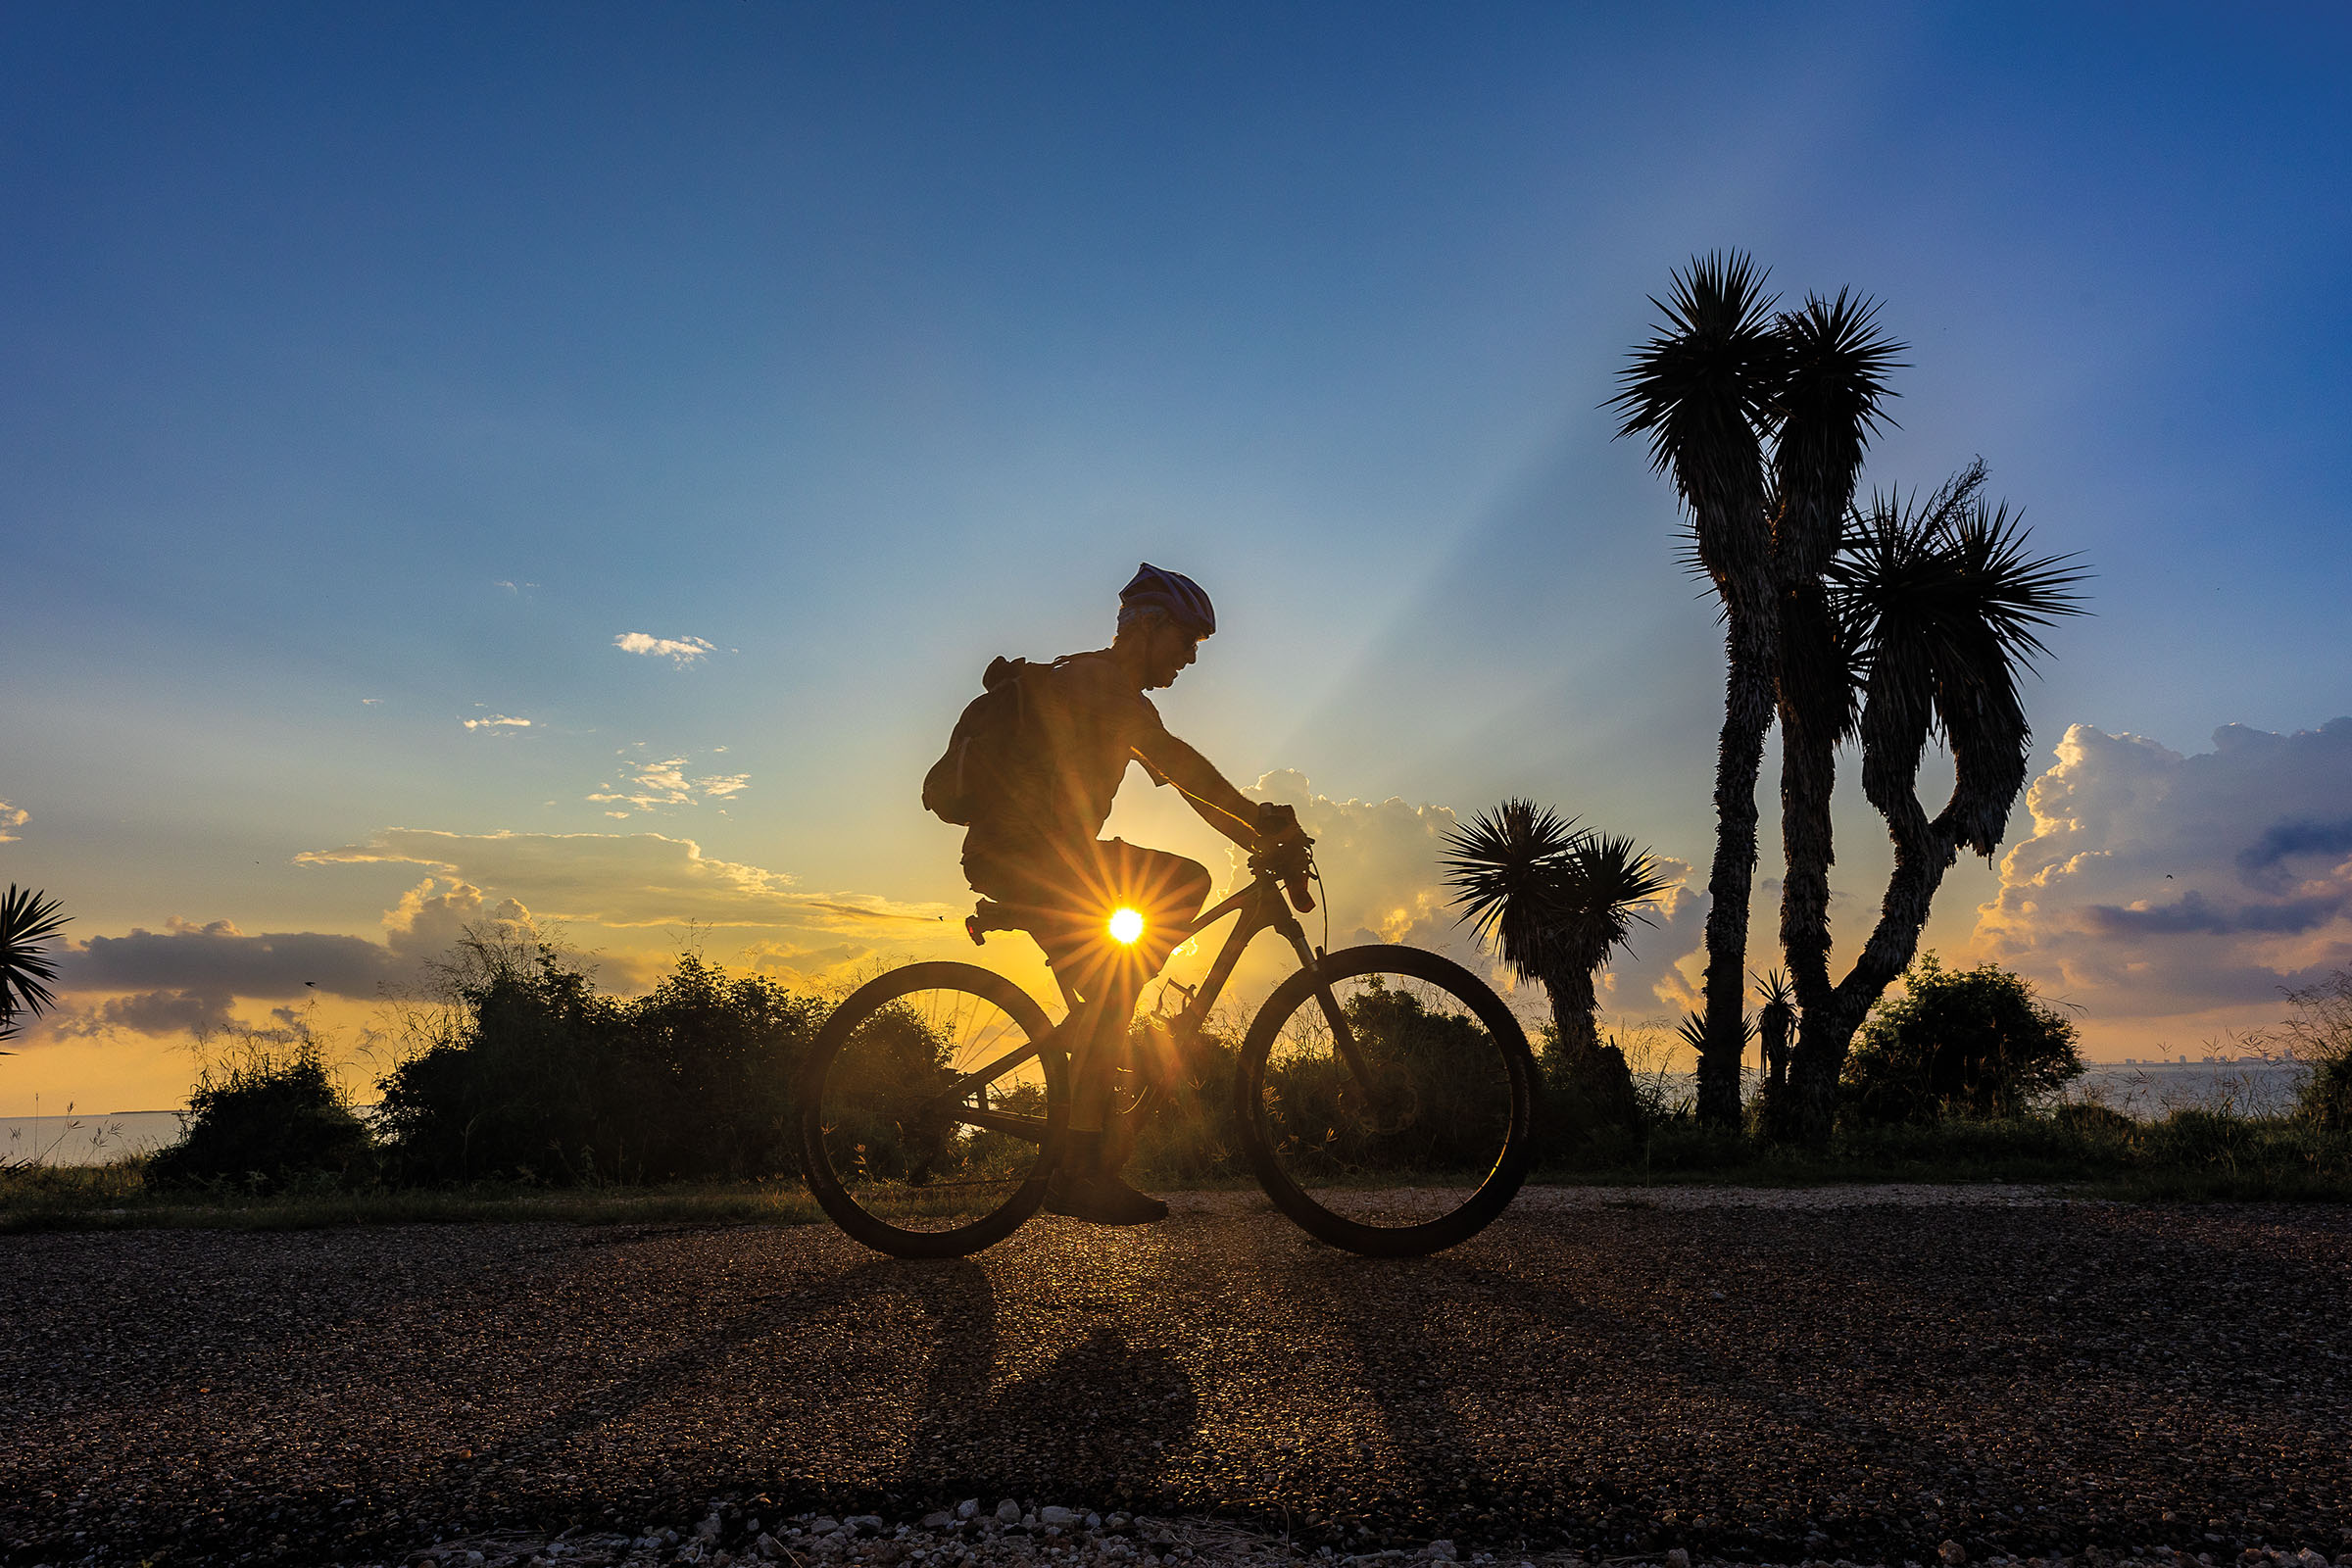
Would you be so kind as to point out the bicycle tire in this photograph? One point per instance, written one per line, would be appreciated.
(1271, 1146)
(856, 1185)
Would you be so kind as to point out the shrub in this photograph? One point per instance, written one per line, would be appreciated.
(268, 1115)
(521, 1075)
(2320, 1035)
(525, 1072)
(1959, 1041)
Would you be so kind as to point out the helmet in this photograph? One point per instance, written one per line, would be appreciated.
(1171, 592)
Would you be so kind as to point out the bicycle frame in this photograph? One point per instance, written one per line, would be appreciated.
(1261, 907)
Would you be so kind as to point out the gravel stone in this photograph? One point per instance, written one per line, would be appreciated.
(2027, 1376)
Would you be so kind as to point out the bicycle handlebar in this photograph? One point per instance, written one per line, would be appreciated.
(1287, 855)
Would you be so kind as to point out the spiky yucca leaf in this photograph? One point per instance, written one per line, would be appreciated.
(1704, 388)
(1605, 882)
(1942, 600)
(1505, 870)
(28, 920)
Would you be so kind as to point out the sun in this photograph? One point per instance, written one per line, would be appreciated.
(1126, 924)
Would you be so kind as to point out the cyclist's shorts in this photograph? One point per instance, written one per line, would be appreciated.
(1080, 887)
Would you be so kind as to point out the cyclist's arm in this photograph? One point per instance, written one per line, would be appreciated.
(1219, 804)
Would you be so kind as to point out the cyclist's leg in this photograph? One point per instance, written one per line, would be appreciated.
(1168, 891)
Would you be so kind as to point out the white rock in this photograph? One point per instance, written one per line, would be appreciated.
(942, 1519)
(1094, 1521)
(968, 1508)
(1008, 1512)
(1443, 1549)
(1055, 1514)
(866, 1523)
(823, 1525)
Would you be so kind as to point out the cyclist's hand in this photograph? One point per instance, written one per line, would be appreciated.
(1283, 848)
(1275, 823)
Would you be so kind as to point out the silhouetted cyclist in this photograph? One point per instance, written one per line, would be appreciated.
(1033, 842)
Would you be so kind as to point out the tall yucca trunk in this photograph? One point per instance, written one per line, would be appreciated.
(1837, 365)
(1704, 388)
(1750, 644)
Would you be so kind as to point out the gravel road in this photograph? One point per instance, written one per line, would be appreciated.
(1862, 1374)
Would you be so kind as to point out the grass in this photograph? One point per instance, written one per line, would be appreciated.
(2191, 1156)
(116, 1198)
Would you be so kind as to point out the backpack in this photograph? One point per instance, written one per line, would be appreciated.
(969, 776)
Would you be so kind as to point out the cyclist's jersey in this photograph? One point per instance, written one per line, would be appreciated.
(1086, 722)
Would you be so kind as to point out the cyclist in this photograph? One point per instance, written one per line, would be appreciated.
(1034, 842)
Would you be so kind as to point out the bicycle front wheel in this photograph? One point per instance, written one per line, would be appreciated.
(1385, 1100)
(929, 1112)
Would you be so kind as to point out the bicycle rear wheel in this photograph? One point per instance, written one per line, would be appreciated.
(1385, 1100)
(929, 1114)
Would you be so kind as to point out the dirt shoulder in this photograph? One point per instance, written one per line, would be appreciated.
(1819, 1373)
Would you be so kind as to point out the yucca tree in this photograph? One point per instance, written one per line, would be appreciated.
(1939, 601)
(1833, 401)
(28, 922)
(1775, 1024)
(1706, 389)
(1554, 902)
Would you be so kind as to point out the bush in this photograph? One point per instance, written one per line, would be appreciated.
(1959, 1043)
(2320, 1035)
(269, 1116)
(525, 1072)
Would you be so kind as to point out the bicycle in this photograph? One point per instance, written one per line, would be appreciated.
(935, 1099)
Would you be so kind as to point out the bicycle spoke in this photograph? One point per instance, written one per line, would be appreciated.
(932, 1108)
(1385, 1100)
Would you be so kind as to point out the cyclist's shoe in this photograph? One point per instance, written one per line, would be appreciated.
(1102, 1199)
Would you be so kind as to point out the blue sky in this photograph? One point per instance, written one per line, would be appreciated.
(374, 369)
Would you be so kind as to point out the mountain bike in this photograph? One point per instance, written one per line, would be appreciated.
(1383, 1096)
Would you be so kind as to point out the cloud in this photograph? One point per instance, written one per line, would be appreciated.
(654, 785)
(1382, 869)
(498, 723)
(2159, 885)
(158, 1013)
(797, 963)
(680, 652)
(217, 960)
(12, 817)
(625, 880)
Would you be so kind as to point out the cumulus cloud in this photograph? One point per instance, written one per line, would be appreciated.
(653, 785)
(496, 723)
(1382, 873)
(187, 977)
(679, 651)
(624, 880)
(2157, 884)
(12, 817)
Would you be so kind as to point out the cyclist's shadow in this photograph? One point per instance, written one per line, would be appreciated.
(1098, 1417)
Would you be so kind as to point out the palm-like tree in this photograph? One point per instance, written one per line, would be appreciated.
(1940, 603)
(28, 922)
(1833, 401)
(1776, 1023)
(1706, 389)
(1554, 902)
